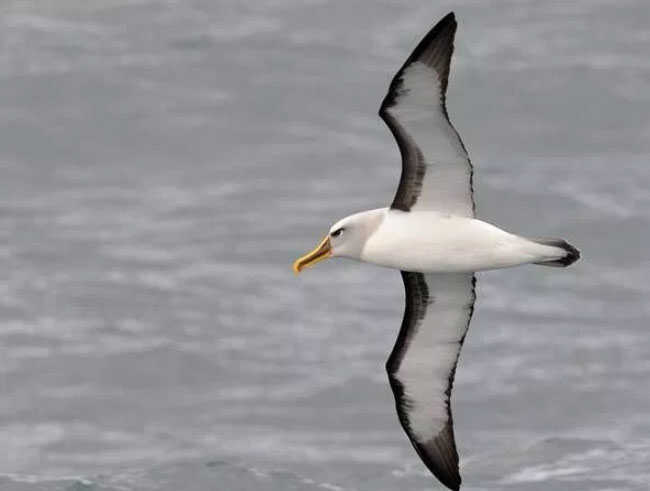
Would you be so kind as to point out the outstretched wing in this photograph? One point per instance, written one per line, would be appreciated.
(423, 362)
(436, 170)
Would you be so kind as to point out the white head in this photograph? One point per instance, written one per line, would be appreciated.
(346, 238)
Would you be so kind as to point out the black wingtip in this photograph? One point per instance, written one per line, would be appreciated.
(448, 21)
(445, 465)
(434, 49)
(449, 17)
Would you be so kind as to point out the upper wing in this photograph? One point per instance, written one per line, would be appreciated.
(436, 170)
(423, 362)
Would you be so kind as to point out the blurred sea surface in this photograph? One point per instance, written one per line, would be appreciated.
(164, 162)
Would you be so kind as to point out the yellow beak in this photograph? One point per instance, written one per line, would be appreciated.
(323, 251)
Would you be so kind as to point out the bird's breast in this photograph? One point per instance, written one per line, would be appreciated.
(430, 242)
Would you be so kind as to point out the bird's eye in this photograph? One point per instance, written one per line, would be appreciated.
(337, 232)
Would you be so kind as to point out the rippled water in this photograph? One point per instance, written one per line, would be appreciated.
(164, 162)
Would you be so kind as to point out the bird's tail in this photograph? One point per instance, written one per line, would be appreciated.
(568, 253)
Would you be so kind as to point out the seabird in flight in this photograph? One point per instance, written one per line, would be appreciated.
(431, 235)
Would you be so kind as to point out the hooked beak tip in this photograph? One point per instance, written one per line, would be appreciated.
(322, 251)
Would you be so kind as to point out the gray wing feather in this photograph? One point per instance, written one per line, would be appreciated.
(455, 184)
(422, 388)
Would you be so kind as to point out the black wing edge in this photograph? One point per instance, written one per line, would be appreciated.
(439, 454)
(435, 50)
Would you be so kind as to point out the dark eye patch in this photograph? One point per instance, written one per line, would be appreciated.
(337, 232)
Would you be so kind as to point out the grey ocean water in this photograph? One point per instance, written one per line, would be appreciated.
(164, 162)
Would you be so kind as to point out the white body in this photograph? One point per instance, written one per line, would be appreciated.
(434, 242)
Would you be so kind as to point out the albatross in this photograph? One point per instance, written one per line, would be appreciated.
(431, 235)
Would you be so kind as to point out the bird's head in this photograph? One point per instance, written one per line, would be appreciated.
(346, 238)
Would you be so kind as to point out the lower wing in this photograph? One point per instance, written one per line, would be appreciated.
(422, 365)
